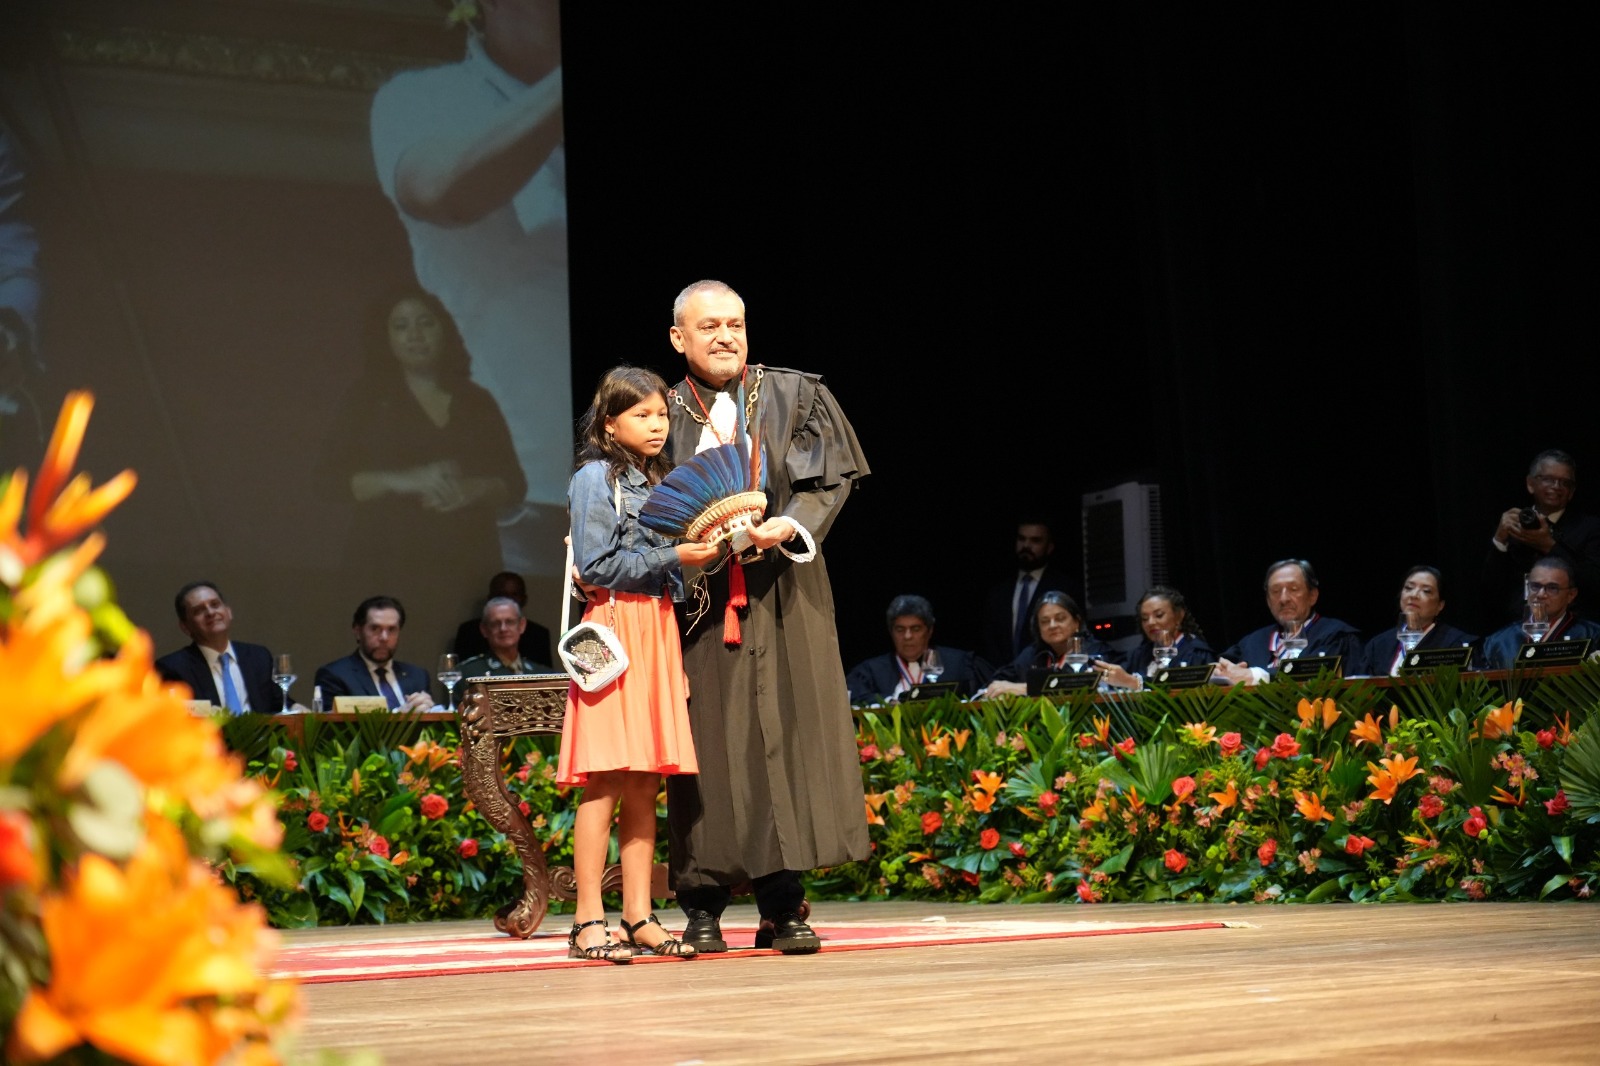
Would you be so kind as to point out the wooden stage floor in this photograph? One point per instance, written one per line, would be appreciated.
(1426, 983)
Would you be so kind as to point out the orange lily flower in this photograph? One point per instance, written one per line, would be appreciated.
(1383, 784)
(874, 805)
(1310, 710)
(1402, 768)
(1309, 804)
(1502, 721)
(1202, 733)
(1500, 795)
(990, 783)
(1102, 729)
(961, 736)
(427, 752)
(1095, 812)
(1135, 803)
(61, 507)
(1367, 731)
(981, 801)
(938, 744)
(129, 988)
(1227, 797)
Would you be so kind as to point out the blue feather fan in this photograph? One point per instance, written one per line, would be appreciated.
(703, 494)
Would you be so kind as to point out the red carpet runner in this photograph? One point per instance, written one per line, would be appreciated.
(341, 956)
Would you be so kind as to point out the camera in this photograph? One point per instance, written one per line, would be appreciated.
(1528, 518)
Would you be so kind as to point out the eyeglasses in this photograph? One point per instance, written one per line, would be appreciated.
(1550, 481)
(1548, 590)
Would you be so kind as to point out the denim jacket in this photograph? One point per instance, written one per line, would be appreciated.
(618, 553)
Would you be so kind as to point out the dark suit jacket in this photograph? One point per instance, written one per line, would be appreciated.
(1325, 636)
(255, 663)
(1377, 658)
(875, 678)
(1499, 649)
(997, 644)
(1577, 539)
(349, 677)
(534, 644)
(1192, 651)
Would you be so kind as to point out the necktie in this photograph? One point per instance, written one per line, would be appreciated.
(1019, 638)
(230, 694)
(390, 696)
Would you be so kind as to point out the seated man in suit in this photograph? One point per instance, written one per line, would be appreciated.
(228, 673)
(915, 659)
(372, 669)
(1292, 594)
(533, 645)
(1546, 528)
(1552, 588)
(502, 627)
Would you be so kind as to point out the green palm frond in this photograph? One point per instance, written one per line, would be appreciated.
(1580, 772)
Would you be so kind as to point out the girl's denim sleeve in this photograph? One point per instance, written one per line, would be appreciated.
(618, 554)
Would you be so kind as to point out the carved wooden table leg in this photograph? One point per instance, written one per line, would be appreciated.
(494, 708)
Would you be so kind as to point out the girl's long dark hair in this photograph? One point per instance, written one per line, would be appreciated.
(620, 388)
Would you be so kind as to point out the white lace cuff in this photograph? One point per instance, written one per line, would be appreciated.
(804, 534)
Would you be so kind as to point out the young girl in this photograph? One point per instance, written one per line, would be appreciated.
(617, 742)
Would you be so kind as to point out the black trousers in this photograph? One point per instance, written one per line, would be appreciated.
(776, 893)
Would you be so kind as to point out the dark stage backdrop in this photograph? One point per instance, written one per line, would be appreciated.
(1323, 277)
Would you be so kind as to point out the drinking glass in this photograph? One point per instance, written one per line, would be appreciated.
(283, 675)
(1076, 656)
(1534, 623)
(1293, 642)
(1164, 649)
(1410, 635)
(449, 677)
(931, 667)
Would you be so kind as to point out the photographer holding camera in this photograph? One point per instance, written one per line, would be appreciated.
(1545, 528)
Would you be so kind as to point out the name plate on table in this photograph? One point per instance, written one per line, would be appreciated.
(203, 707)
(361, 704)
(1310, 666)
(1185, 676)
(1064, 684)
(1427, 660)
(928, 690)
(1555, 653)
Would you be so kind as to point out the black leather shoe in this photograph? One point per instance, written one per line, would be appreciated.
(704, 932)
(789, 934)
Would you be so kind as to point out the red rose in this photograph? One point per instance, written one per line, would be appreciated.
(1285, 746)
(1176, 860)
(18, 863)
(1546, 738)
(869, 752)
(1122, 748)
(1183, 787)
(1230, 744)
(1267, 851)
(468, 848)
(1475, 823)
(525, 808)
(1086, 740)
(1018, 850)
(989, 839)
(932, 822)
(1355, 845)
(1048, 800)
(970, 878)
(1430, 806)
(379, 847)
(1263, 756)
(1087, 894)
(292, 764)
(316, 821)
(1559, 805)
(434, 806)
(522, 774)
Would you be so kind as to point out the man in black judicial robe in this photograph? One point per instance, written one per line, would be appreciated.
(915, 658)
(1292, 594)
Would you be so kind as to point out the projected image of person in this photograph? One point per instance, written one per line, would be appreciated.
(471, 155)
(19, 284)
(425, 458)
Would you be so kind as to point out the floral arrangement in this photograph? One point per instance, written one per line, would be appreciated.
(381, 831)
(118, 942)
(1268, 794)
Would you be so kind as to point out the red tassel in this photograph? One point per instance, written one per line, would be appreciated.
(737, 598)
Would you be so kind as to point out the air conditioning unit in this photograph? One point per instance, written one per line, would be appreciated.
(1124, 550)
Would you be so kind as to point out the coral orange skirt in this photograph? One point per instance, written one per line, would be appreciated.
(641, 720)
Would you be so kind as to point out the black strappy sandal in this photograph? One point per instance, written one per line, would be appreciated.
(610, 951)
(671, 945)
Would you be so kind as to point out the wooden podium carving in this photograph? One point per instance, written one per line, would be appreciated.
(492, 710)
